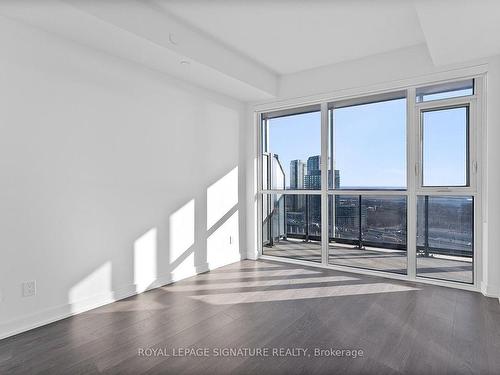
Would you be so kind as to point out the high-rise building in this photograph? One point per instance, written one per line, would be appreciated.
(313, 163)
(297, 173)
(295, 203)
(336, 176)
(303, 209)
(312, 179)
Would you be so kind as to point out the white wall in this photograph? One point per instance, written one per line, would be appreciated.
(491, 218)
(397, 69)
(113, 178)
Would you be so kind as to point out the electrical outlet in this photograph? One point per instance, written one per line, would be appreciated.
(29, 288)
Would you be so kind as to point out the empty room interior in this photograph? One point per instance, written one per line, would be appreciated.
(242, 187)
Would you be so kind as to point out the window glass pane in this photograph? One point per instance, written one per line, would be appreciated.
(445, 144)
(292, 151)
(346, 215)
(369, 232)
(292, 226)
(369, 146)
(445, 237)
(445, 91)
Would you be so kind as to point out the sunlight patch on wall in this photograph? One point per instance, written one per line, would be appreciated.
(183, 269)
(145, 253)
(181, 238)
(95, 286)
(223, 243)
(222, 196)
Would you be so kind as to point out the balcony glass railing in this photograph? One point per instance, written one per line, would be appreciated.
(292, 226)
(373, 227)
(370, 231)
(375, 221)
(445, 237)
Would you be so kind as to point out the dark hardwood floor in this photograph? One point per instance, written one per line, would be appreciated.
(400, 327)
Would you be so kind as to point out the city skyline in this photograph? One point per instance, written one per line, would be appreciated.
(307, 174)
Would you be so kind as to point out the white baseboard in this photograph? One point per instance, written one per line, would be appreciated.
(213, 265)
(490, 290)
(53, 314)
(253, 255)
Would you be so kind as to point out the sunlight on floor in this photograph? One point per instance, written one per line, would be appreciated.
(304, 293)
(258, 273)
(182, 287)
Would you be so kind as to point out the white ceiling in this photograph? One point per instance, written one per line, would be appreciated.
(290, 36)
(243, 48)
(460, 30)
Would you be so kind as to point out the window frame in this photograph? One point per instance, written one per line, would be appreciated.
(477, 117)
(471, 144)
(264, 137)
(442, 88)
(365, 100)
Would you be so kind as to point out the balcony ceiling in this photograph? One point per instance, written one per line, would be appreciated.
(242, 48)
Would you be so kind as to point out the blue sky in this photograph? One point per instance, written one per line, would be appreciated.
(445, 143)
(370, 144)
(295, 137)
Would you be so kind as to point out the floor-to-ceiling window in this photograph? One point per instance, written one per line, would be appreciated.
(447, 183)
(291, 174)
(386, 182)
(367, 201)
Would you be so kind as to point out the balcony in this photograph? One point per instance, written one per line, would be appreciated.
(370, 232)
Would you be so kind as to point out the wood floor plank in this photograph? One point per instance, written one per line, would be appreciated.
(401, 327)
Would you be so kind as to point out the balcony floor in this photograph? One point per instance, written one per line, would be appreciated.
(446, 268)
